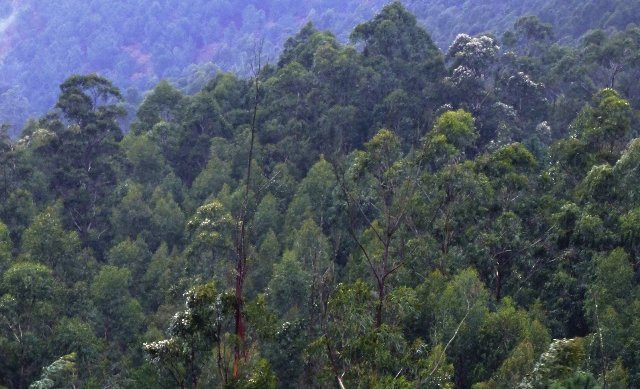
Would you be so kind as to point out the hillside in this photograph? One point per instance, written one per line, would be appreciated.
(570, 18)
(138, 43)
(391, 216)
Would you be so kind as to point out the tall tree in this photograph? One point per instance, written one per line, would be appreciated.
(384, 180)
(86, 153)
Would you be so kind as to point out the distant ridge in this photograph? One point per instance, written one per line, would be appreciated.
(138, 43)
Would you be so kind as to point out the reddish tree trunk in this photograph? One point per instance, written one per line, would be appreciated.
(242, 239)
(239, 317)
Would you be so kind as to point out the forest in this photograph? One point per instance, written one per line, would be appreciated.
(136, 44)
(377, 213)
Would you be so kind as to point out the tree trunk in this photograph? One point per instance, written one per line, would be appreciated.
(380, 307)
(498, 283)
(241, 241)
(239, 317)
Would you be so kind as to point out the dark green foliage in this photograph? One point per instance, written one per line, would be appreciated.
(414, 218)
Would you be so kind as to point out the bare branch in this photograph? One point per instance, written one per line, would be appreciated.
(444, 351)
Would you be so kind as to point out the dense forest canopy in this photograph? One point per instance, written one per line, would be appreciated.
(138, 43)
(375, 214)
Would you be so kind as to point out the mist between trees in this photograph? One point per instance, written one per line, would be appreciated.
(375, 214)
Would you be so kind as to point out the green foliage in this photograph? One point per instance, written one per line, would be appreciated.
(260, 377)
(28, 282)
(267, 216)
(121, 315)
(167, 218)
(559, 366)
(216, 35)
(211, 230)
(394, 35)
(605, 127)
(130, 254)
(6, 247)
(453, 133)
(412, 218)
(61, 373)
(457, 127)
(60, 251)
(76, 336)
(27, 304)
(194, 333)
(161, 105)
(145, 157)
(289, 285)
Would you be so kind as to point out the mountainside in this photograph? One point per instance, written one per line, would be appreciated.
(570, 18)
(380, 214)
(137, 43)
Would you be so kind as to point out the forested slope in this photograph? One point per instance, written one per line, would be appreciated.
(570, 18)
(378, 215)
(138, 43)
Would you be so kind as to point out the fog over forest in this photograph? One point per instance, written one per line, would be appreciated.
(136, 44)
(319, 194)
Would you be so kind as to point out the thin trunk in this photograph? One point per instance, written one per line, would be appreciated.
(221, 369)
(21, 380)
(194, 374)
(499, 284)
(380, 307)
(445, 243)
(499, 274)
(382, 279)
(447, 222)
(455, 333)
(605, 365)
(334, 364)
(614, 73)
(241, 248)
(239, 317)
